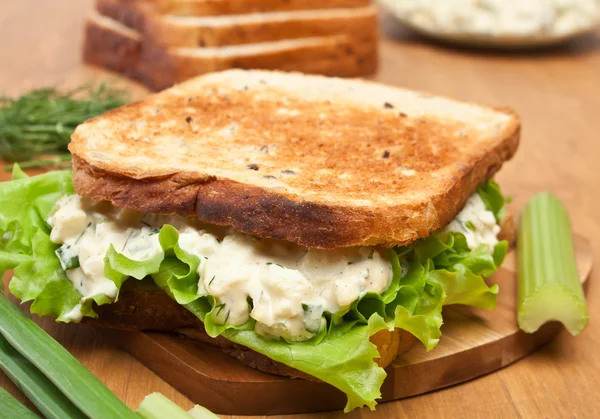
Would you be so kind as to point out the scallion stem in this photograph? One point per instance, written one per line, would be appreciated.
(200, 412)
(548, 283)
(13, 409)
(157, 406)
(38, 389)
(73, 380)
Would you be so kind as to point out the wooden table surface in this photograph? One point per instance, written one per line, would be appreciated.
(557, 94)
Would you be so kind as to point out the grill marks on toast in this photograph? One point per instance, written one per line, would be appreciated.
(261, 152)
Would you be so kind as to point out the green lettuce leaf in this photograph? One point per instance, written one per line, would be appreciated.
(492, 197)
(340, 355)
(344, 358)
(442, 271)
(42, 281)
(25, 245)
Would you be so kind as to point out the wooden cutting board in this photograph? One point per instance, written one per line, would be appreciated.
(474, 342)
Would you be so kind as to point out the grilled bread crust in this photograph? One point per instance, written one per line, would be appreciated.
(321, 162)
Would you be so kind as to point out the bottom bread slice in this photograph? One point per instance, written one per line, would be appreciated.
(143, 306)
(114, 46)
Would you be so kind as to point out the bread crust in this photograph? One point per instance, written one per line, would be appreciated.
(130, 13)
(339, 55)
(111, 50)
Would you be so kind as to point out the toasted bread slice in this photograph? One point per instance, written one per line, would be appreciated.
(158, 68)
(193, 32)
(321, 162)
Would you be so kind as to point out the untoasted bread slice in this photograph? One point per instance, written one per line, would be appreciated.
(193, 32)
(158, 68)
(131, 13)
(321, 162)
(339, 55)
(236, 7)
(111, 45)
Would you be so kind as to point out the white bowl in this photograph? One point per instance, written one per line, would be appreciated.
(462, 22)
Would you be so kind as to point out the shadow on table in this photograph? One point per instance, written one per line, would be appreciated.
(394, 31)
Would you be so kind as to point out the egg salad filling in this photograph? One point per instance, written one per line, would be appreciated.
(289, 287)
(284, 287)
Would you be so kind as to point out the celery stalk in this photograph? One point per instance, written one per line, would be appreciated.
(201, 412)
(157, 406)
(12, 409)
(75, 381)
(548, 284)
(38, 389)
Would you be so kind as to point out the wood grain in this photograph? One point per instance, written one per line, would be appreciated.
(475, 342)
(555, 91)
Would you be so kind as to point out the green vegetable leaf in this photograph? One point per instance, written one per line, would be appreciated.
(201, 412)
(36, 386)
(18, 173)
(344, 360)
(341, 355)
(26, 247)
(493, 198)
(52, 360)
(42, 280)
(157, 406)
(179, 266)
(13, 409)
(41, 122)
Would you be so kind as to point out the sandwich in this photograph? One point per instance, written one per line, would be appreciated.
(311, 227)
(160, 43)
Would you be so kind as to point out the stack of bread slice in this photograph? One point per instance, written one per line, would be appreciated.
(163, 42)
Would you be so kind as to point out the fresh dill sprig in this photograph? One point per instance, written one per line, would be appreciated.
(40, 123)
